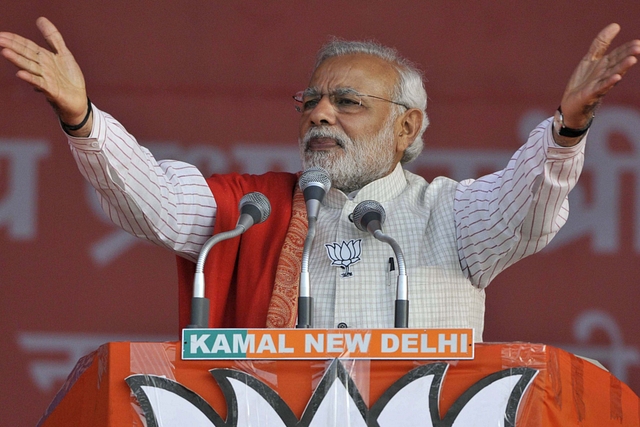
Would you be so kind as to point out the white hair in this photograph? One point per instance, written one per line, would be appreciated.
(409, 89)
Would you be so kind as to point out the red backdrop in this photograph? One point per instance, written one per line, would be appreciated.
(210, 82)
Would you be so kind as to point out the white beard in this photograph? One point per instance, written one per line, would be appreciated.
(355, 163)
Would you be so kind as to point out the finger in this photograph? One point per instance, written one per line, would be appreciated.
(619, 61)
(51, 34)
(602, 41)
(6, 39)
(22, 62)
(621, 53)
(623, 66)
(36, 81)
(610, 79)
(19, 45)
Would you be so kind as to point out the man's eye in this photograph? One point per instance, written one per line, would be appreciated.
(309, 104)
(346, 101)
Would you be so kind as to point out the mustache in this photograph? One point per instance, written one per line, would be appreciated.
(325, 132)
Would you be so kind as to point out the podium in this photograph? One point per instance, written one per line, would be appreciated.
(507, 384)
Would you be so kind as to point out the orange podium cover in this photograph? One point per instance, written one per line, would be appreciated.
(512, 384)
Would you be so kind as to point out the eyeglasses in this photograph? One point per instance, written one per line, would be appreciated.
(343, 100)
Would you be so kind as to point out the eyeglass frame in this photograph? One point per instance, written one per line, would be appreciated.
(298, 97)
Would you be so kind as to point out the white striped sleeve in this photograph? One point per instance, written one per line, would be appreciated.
(166, 202)
(506, 216)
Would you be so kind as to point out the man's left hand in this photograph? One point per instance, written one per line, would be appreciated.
(596, 74)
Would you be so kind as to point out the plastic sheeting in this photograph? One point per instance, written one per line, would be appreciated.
(514, 384)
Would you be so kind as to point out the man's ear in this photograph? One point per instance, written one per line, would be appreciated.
(407, 127)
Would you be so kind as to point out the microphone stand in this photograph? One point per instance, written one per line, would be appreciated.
(254, 209)
(200, 304)
(369, 216)
(305, 301)
(401, 319)
(314, 183)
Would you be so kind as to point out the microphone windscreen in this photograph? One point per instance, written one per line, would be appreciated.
(257, 205)
(315, 176)
(366, 212)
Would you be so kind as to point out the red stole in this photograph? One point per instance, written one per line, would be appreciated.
(240, 272)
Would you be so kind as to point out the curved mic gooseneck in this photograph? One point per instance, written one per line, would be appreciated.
(254, 208)
(369, 216)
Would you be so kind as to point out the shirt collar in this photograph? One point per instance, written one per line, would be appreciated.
(380, 190)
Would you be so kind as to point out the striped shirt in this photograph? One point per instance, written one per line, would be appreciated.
(465, 232)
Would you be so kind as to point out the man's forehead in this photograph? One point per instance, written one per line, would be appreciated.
(360, 72)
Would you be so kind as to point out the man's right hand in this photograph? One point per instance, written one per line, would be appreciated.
(53, 72)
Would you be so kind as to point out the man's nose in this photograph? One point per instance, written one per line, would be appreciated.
(323, 113)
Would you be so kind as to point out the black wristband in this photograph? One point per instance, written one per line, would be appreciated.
(68, 128)
(569, 132)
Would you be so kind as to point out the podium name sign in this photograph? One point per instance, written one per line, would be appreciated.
(205, 344)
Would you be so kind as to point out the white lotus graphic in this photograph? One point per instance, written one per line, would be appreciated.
(344, 254)
(411, 401)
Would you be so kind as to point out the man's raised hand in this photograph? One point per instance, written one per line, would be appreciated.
(53, 72)
(596, 74)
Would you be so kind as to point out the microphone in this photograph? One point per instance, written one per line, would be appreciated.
(369, 216)
(254, 208)
(314, 183)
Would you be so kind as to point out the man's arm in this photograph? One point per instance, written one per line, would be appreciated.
(506, 216)
(168, 203)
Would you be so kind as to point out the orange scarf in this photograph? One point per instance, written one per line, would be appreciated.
(251, 281)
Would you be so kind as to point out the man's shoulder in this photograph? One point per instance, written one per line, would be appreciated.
(245, 176)
(229, 188)
(245, 179)
(438, 184)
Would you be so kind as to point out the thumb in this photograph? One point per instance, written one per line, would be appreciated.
(51, 35)
(601, 43)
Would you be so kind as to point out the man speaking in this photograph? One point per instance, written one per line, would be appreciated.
(362, 117)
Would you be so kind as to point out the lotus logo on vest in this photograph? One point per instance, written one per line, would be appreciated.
(344, 254)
